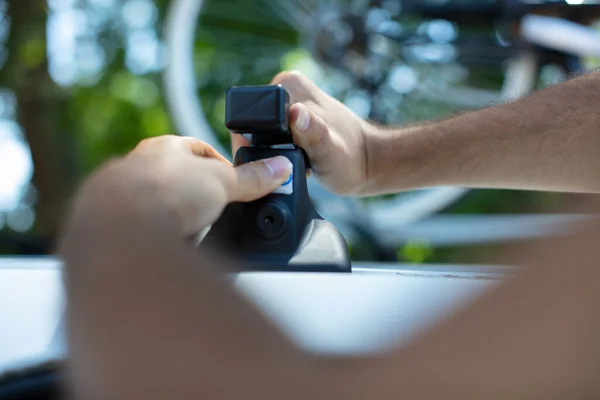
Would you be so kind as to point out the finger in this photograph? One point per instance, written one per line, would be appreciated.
(237, 141)
(154, 144)
(298, 85)
(259, 178)
(309, 131)
(168, 143)
(203, 149)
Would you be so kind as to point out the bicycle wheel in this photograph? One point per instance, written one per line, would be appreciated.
(385, 64)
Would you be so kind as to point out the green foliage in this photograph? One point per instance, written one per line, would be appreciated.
(415, 252)
(237, 43)
(111, 117)
(492, 201)
(32, 54)
(593, 62)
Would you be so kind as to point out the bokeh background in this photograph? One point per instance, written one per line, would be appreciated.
(82, 81)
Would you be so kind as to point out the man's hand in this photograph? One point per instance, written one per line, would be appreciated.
(190, 179)
(334, 138)
(546, 141)
(203, 182)
(149, 314)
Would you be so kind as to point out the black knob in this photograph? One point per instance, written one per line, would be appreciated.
(272, 220)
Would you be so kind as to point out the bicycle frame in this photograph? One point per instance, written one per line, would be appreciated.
(521, 76)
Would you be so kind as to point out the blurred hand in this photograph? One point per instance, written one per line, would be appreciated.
(200, 182)
(331, 134)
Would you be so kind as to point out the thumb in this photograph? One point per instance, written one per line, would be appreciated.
(259, 178)
(309, 131)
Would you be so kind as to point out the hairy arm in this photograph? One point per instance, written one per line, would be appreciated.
(547, 141)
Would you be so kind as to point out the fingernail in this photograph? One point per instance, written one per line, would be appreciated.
(303, 119)
(279, 167)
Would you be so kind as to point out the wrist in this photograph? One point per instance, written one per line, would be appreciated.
(369, 132)
(399, 159)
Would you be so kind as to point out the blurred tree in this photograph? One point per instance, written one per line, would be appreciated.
(87, 78)
(41, 111)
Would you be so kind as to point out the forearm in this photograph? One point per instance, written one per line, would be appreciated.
(547, 141)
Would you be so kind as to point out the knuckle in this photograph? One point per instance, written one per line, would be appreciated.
(157, 140)
(256, 182)
(322, 132)
(144, 145)
(289, 79)
(230, 183)
(146, 142)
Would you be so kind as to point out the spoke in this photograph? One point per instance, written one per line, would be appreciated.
(245, 11)
(293, 13)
